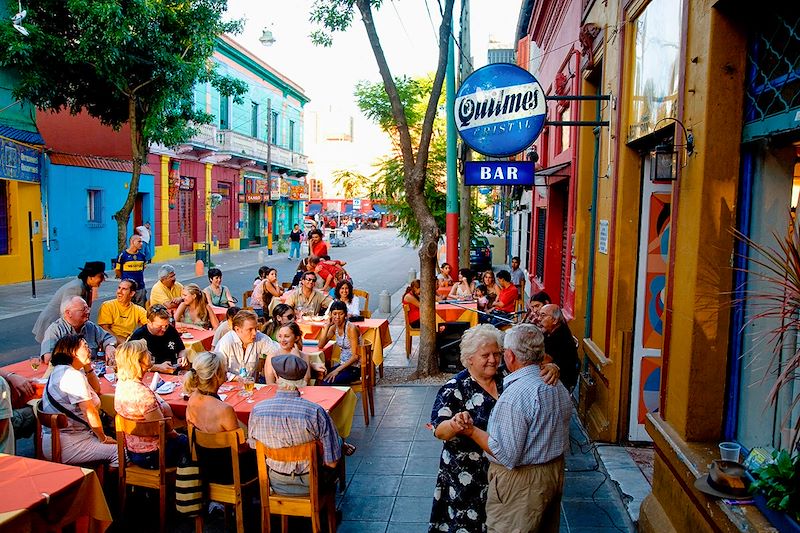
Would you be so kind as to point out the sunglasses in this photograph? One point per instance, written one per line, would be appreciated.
(288, 317)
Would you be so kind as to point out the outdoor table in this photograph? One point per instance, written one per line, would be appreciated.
(444, 292)
(44, 496)
(463, 312)
(339, 401)
(375, 330)
(219, 311)
(200, 340)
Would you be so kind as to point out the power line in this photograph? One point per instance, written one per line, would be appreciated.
(433, 26)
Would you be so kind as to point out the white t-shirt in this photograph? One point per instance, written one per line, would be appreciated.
(230, 345)
(223, 328)
(6, 412)
(69, 387)
(353, 308)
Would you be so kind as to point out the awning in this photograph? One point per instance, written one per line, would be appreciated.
(553, 171)
(29, 137)
(379, 209)
(313, 209)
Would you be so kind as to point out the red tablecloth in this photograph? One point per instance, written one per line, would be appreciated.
(443, 291)
(200, 340)
(219, 311)
(40, 494)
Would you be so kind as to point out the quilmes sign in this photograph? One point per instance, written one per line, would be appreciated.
(485, 173)
(500, 110)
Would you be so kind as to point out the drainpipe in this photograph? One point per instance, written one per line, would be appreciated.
(587, 324)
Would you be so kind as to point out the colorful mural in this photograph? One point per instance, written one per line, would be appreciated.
(649, 387)
(655, 276)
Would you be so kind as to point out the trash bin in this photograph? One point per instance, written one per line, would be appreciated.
(200, 255)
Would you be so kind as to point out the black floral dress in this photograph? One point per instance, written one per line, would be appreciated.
(459, 500)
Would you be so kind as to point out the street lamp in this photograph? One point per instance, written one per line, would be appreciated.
(267, 38)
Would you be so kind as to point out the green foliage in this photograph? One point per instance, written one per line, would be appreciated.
(388, 183)
(332, 16)
(779, 480)
(110, 58)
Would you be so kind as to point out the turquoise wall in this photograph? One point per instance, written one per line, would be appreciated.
(73, 239)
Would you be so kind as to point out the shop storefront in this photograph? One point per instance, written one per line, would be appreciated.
(254, 210)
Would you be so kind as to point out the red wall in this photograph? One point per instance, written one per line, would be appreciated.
(82, 134)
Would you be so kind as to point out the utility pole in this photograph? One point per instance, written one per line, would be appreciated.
(452, 173)
(269, 176)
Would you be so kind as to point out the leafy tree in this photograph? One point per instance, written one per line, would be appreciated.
(337, 15)
(133, 62)
(388, 183)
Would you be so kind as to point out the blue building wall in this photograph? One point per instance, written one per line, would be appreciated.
(74, 239)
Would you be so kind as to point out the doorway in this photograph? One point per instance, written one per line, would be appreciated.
(222, 216)
(254, 224)
(186, 214)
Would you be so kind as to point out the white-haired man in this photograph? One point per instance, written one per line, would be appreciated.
(166, 291)
(525, 441)
(75, 321)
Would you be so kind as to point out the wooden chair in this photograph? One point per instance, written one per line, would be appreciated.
(55, 423)
(286, 285)
(365, 295)
(246, 300)
(410, 332)
(219, 492)
(144, 477)
(311, 505)
(365, 385)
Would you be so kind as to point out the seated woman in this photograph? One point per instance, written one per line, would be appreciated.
(209, 414)
(290, 339)
(225, 326)
(537, 301)
(194, 311)
(344, 293)
(282, 314)
(465, 286)
(347, 336)
(256, 299)
(443, 278)
(493, 289)
(411, 298)
(217, 293)
(72, 390)
(270, 288)
(134, 400)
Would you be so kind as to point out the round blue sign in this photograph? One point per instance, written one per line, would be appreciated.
(500, 110)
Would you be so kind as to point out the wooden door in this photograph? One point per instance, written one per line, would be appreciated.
(186, 218)
(222, 216)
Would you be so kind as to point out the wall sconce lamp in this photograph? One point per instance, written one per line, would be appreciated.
(664, 159)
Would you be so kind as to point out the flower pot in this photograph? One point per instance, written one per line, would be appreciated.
(780, 520)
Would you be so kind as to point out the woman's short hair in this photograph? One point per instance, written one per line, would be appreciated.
(527, 343)
(65, 348)
(295, 329)
(339, 287)
(130, 356)
(542, 297)
(213, 273)
(476, 337)
(209, 371)
(243, 316)
(338, 305)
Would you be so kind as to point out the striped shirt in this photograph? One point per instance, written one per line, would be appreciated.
(288, 420)
(530, 423)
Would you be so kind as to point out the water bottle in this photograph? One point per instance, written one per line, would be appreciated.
(100, 362)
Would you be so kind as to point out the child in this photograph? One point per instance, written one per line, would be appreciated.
(481, 295)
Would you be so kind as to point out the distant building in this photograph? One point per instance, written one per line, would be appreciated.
(502, 55)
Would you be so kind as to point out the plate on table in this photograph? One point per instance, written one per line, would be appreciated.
(187, 335)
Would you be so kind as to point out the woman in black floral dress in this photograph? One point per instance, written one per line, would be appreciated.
(459, 499)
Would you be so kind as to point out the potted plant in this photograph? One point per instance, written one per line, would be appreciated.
(777, 491)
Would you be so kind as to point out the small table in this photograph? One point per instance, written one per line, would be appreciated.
(375, 330)
(463, 312)
(40, 496)
(220, 311)
(444, 292)
(200, 340)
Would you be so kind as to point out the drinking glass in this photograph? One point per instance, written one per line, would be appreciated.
(35, 362)
(248, 380)
(729, 451)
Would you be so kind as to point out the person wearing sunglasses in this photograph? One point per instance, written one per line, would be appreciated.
(307, 299)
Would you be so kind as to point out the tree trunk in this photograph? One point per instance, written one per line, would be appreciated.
(138, 149)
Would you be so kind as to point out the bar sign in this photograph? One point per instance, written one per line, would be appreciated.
(498, 173)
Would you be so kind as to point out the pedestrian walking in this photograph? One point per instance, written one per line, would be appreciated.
(294, 242)
(144, 232)
(130, 265)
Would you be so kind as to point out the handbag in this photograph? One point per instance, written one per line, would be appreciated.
(188, 486)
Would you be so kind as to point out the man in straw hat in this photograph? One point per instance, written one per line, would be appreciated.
(304, 420)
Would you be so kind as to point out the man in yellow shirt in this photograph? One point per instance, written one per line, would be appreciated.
(166, 291)
(121, 316)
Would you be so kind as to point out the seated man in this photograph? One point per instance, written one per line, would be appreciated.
(307, 421)
(559, 343)
(75, 320)
(504, 306)
(166, 291)
(121, 316)
(163, 341)
(307, 299)
(7, 444)
(246, 347)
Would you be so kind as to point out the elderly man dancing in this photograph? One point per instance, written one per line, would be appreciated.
(527, 434)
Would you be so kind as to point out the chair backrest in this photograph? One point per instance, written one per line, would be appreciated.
(55, 422)
(286, 284)
(309, 451)
(141, 428)
(246, 300)
(405, 315)
(224, 439)
(363, 294)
